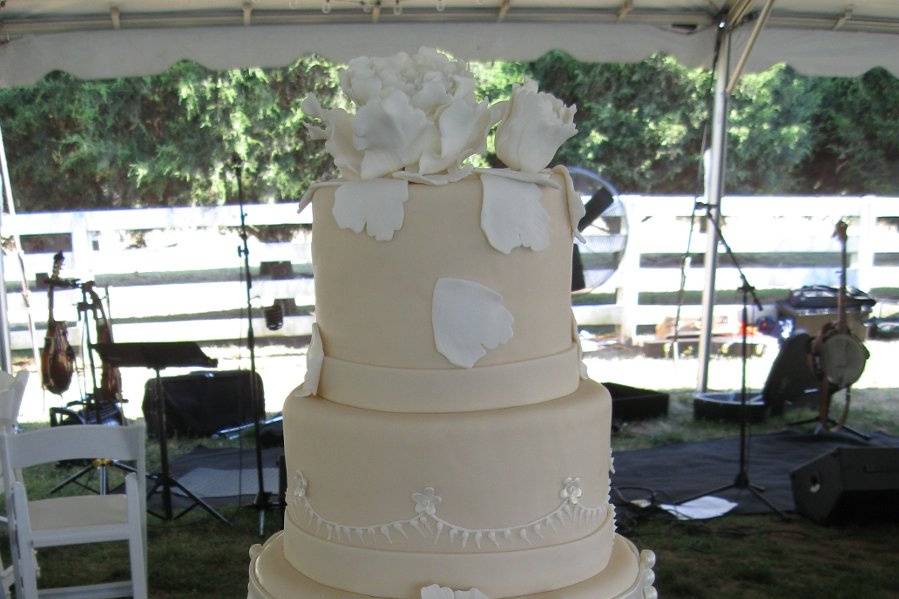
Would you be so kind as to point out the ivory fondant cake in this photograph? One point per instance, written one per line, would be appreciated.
(445, 442)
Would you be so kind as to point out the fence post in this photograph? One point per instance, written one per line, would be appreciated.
(628, 292)
(866, 238)
(82, 250)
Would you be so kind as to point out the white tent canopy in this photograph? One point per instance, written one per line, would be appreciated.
(104, 38)
(98, 38)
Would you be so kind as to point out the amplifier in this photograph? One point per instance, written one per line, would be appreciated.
(849, 483)
(202, 403)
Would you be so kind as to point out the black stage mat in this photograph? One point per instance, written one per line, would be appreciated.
(675, 472)
(224, 476)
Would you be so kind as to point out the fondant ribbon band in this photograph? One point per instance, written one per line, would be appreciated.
(400, 574)
(450, 390)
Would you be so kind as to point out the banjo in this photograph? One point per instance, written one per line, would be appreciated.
(838, 355)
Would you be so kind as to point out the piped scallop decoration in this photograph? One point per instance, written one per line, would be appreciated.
(469, 319)
(512, 215)
(376, 205)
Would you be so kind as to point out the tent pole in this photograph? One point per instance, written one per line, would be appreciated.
(5, 353)
(713, 193)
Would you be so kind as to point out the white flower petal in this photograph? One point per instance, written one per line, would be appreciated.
(576, 210)
(375, 205)
(314, 357)
(391, 133)
(468, 319)
(438, 592)
(338, 131)
(451, 176)
(512, 214)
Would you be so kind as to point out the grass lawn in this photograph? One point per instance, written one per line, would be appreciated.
(734, 556)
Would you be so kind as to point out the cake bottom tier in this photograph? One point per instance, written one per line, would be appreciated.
(628, 575)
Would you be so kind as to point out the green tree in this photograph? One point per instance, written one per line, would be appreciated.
(856, 140)
(168, 139)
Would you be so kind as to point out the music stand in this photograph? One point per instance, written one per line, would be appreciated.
(158, 356)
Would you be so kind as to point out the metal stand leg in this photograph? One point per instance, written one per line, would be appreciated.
(163, 481)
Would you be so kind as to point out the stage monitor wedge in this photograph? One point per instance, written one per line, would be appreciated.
(849, 483)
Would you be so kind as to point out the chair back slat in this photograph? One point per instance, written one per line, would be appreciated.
(11, 398)
(75, 442)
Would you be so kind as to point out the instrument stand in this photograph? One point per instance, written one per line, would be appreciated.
(263, 501)
(89, 404)
(741, 480)
(164, 482)
(833, 427)
(158, 356)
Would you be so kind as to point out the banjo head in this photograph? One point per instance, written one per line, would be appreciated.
(843, 359)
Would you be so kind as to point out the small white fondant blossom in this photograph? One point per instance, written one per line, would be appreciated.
(571, 490)
(300, 485)
(534, 127)
(438, 592)
(426, 501)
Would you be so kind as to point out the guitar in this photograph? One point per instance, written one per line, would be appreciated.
(57, 356)
(838, 355)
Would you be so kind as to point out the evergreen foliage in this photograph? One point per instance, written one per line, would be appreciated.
(171, 139)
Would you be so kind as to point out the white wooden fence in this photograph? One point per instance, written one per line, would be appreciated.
(174, 273)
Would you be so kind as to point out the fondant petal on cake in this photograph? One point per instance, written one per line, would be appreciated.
(315, 355)
(310, 191)
(576, 210)
(451, 176)
(543, 178)
(376, 206)
(438, 592)
(512, 214)
(576, 338)
(469, 319)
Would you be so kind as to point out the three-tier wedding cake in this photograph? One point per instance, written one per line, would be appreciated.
(446, 441)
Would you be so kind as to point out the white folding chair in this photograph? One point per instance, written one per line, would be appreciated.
(11, 391)
(80, 519)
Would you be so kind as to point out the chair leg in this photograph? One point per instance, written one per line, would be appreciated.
(136, 546)
(26, 566)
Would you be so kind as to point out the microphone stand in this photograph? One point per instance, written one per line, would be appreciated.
(262, 503)
(741, 480)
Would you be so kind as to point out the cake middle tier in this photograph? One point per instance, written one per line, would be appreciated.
(378, 502)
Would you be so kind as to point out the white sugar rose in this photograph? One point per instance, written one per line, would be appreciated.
(534, 127)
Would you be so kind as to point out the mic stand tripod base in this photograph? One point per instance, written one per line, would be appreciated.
(742, 483)
(835, 427)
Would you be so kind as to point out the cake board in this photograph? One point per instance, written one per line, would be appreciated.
(629, 575)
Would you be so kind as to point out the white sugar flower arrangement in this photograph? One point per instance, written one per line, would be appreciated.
(419, 114)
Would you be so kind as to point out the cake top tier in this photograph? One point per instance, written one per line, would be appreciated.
(435, 279)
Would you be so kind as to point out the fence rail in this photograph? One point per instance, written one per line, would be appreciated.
(174, 273)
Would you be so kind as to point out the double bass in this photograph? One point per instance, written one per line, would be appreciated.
(57, 356)
(838, 356)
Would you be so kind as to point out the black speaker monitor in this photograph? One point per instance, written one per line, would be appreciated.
(849, 483)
